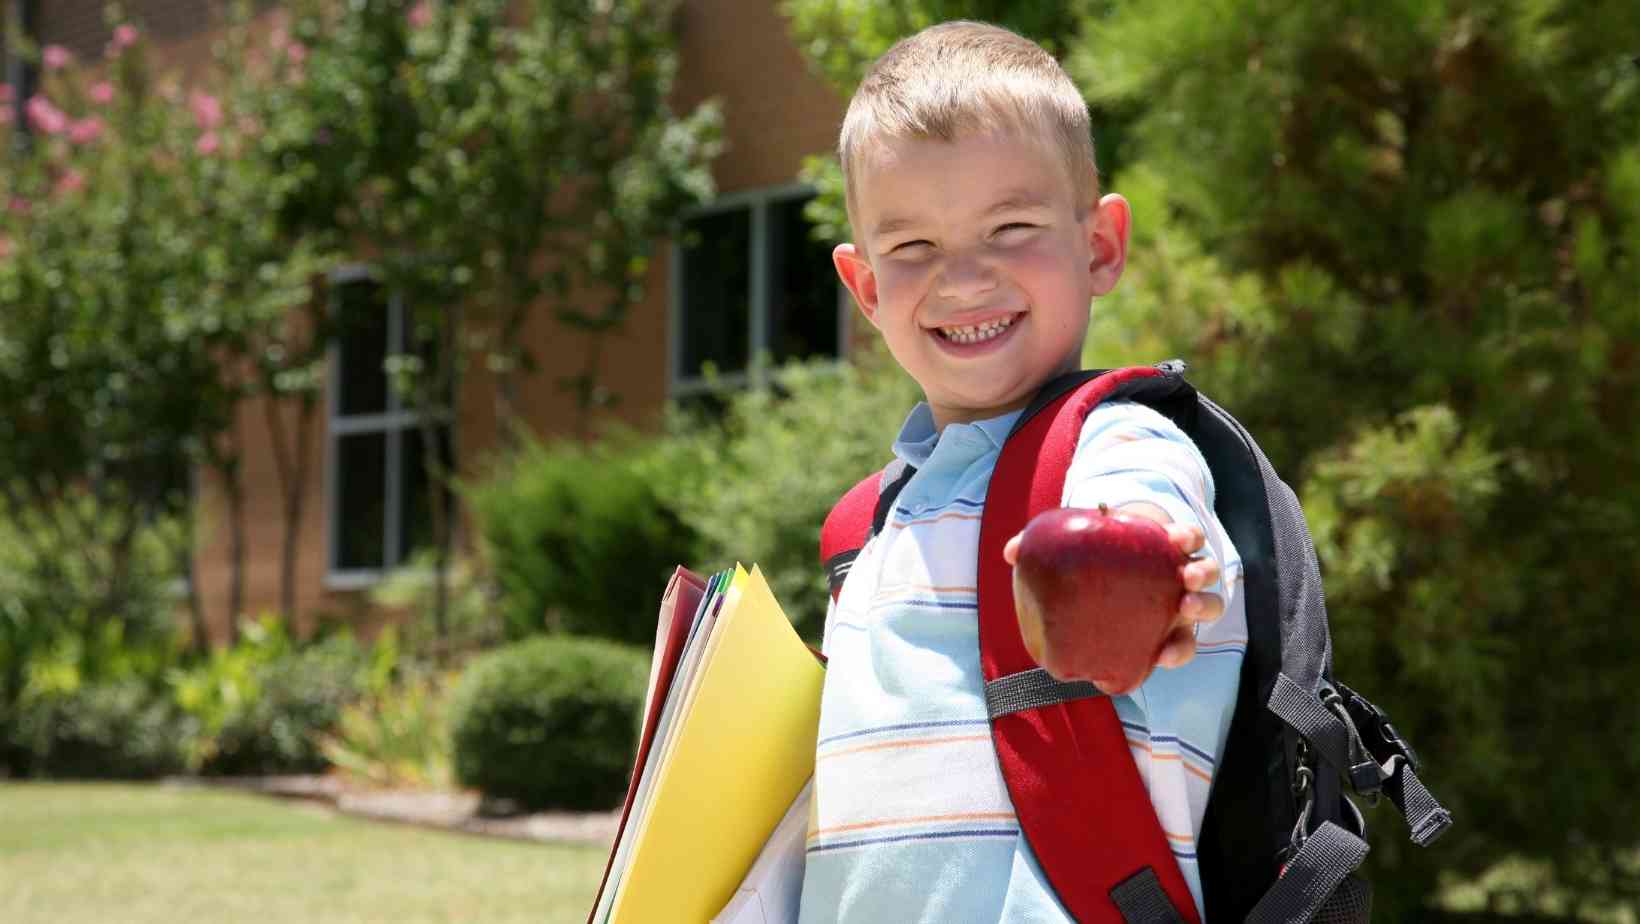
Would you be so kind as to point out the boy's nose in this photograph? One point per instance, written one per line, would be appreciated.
(965, 277)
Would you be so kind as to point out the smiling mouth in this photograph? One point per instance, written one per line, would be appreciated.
(978, 333)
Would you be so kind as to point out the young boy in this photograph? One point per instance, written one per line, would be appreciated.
(980, 240)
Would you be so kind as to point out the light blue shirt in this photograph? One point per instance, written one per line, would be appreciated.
(910, 819)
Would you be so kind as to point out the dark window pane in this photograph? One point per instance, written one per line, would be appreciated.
(717, 291)
(361, 384)
(803, 301)
(416, 506)
(361, 500)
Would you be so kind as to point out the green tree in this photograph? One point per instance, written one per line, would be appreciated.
(1402, 243)
(139, 255)
(501, 162)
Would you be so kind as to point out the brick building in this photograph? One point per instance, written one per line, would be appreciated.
(754, 283)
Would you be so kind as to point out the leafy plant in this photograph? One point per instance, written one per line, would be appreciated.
(398, 736)
(579, 538)
(550, 722)
(778, 459)
(261, 706)
(122, 729)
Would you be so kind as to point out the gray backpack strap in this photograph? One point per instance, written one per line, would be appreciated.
(1312, 878)
(1030, 689)
(1142, 900)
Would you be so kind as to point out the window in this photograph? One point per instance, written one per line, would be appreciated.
(749, 280)
(379, 505)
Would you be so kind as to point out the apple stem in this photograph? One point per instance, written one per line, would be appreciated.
(1104, 509)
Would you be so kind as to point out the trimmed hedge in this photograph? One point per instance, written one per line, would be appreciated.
(550, 722)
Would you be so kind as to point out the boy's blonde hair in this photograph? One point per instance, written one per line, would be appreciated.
(961, 78)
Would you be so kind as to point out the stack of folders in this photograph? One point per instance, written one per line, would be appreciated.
(723, 766)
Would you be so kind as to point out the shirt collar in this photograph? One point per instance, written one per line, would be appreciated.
(918, 437)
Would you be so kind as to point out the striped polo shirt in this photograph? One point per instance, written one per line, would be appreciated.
(911, 820)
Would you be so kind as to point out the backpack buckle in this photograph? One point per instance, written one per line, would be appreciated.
(1365, 773)
(1378, 733)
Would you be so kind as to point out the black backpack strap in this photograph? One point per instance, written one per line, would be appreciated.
(1357, 738)
(1311, 879)
(1142, 900)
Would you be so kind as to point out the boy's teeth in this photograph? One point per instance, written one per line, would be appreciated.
(976, 333)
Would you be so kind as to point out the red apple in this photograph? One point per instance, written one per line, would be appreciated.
(1097, 594)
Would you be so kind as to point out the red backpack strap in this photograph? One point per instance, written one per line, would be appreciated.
(846, 530)
(1078, 795)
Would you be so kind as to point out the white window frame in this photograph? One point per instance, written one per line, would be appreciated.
(757, 345)
(393, 423)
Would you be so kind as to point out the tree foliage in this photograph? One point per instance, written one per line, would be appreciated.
(1401, 242)
(139, 258)
(496, 157)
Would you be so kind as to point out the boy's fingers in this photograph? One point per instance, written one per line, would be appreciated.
(1187, 538)
(1199, 574)
(1200, 607)
(1010, 550)
(1179, 648)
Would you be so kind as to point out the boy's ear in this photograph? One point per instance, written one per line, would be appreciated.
(1107, 230)
(855, 271)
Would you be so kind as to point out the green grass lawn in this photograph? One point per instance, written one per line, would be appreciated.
(72, 853)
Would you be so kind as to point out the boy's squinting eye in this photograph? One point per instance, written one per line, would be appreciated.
(907, 248)
(1014, 226)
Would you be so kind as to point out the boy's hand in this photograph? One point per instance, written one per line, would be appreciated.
(1197, 606)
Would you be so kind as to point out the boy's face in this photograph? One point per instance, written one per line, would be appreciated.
(977, 263)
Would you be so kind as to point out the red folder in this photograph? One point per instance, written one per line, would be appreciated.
(677, 614)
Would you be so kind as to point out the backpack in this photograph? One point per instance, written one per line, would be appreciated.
(1280, 840)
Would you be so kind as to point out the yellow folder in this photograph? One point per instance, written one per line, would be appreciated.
(743, 750)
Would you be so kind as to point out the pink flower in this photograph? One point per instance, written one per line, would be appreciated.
(44, 117)
(102, 92)
(86, 131)
(7, 94)
(70, 182)
(421, 15)
(208, 144)
(125, 35)
(207, 110)
(5, 247)
(279, 39)
(19, 206)
(56, 57)
(297, 52)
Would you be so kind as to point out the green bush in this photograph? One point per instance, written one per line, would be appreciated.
(264, 705)
(550, 722)
(779, 458)
(116, 730)
(398, 736)
(580, 539)
(81, 603)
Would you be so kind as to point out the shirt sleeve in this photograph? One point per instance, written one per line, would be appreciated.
(1128, 453)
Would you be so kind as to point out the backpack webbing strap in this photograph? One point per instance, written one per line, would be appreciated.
(1069, 770)
(1033, 688)
(1427, 818)
(1386, 766)
(1311, 877)
(1142, 901)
